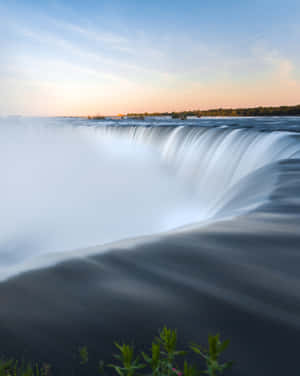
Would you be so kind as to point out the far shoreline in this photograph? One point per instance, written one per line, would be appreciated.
(259, 111)
(228, 112)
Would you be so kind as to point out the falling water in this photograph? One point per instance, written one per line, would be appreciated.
(66, 186)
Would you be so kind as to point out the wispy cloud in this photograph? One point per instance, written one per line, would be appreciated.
(278, 66)
(113, 40)
(91, 55)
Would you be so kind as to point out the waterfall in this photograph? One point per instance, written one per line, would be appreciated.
(66, 186)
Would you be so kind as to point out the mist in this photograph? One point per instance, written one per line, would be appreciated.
(64, 188)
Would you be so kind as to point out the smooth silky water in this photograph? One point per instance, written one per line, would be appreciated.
(110, 229)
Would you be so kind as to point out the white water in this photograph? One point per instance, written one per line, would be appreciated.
(65, 187)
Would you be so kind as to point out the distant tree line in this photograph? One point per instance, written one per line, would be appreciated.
(253, 111)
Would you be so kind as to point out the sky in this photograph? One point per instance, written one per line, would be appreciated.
(61, 58)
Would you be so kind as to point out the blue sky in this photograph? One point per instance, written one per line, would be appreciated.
(87, 57)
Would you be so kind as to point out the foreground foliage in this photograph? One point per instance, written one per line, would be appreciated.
(13, 367)
(162, 359)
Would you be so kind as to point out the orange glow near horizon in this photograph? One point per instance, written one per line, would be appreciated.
(65, 102)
